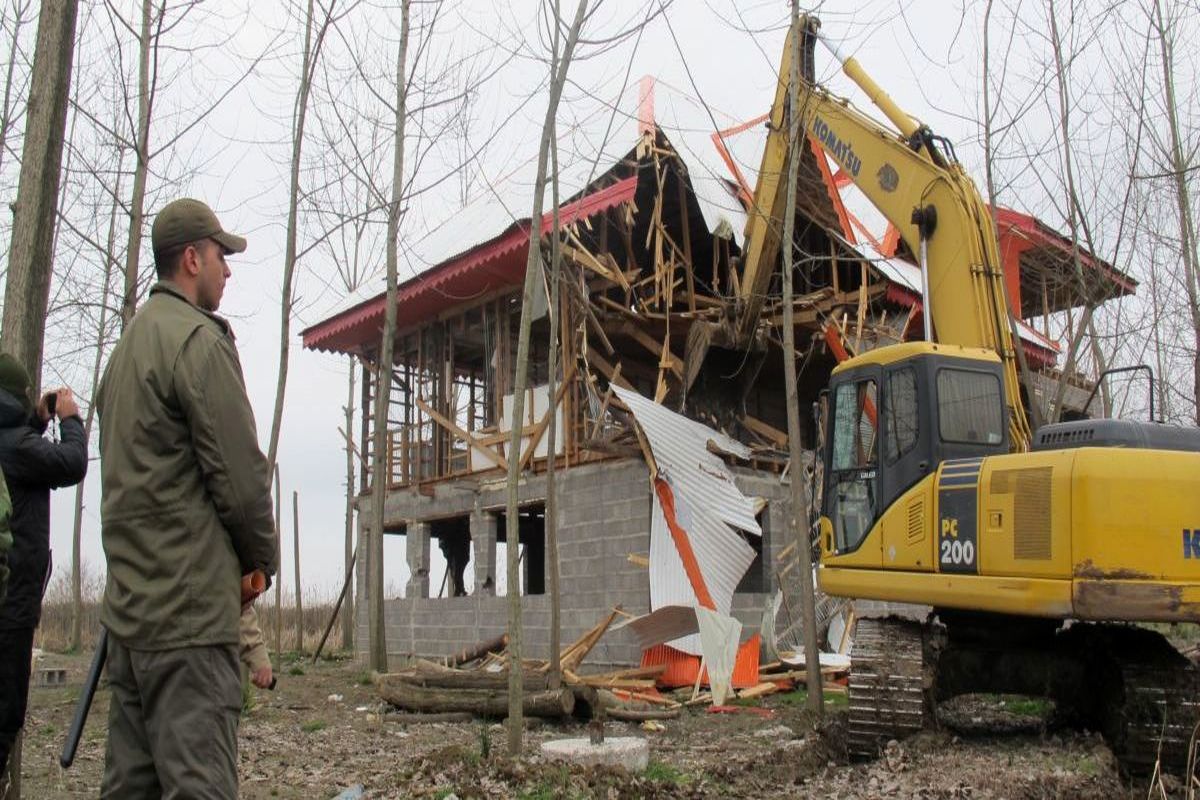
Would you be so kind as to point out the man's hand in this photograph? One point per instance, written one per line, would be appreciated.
(64, 405)
(262, 677)
(67, 407)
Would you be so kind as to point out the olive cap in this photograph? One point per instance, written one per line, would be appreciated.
(15, 380)
(184, 221)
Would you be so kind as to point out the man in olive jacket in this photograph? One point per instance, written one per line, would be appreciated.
(186, 511)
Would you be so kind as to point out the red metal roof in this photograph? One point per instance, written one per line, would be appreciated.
(491, 265)
(1019, 232)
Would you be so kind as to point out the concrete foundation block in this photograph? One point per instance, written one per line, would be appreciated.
(629, 752)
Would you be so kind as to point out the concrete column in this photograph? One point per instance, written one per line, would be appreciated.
(483, 537)
(417, 547)
(775, 538)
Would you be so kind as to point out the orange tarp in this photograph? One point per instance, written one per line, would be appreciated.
(682, 667)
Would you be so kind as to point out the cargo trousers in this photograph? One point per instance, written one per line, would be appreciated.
(172, 723)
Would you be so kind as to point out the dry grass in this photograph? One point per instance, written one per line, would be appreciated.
(54, 633)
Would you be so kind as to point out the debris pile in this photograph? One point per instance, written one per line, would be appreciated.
(475, 683)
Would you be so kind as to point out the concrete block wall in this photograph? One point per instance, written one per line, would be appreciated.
(603, 516)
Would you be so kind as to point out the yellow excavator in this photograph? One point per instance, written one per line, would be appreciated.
(1034, 550)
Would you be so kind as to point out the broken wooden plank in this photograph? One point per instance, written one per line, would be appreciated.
(760, 690)
(573, 655)
(647, 341)
(768, 432)
(487, 452)
(607, 370)
(540, 429)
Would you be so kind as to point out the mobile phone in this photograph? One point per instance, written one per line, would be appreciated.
(51, 402)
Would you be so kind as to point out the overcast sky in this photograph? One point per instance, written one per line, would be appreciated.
(927, 57)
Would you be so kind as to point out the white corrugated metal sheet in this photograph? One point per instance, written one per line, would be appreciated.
(708, 506)
(721, 553)
(700, 479)
(661, 625)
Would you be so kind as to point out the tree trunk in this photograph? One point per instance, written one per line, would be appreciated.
(141, 170)
(383, 382)
(348, 603)
(798, 518)
(532, 273)
(278, 576)
(308, 62)
(77, 525)
(31, 257)
(487, 702)
(1034, 410)
(1073, 213)
(552, 425)
(296, 559)
(1187, 227)
(6, 107)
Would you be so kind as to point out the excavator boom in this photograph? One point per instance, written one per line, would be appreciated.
(924, 193)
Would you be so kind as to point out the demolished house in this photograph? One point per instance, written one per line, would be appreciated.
(651, 277)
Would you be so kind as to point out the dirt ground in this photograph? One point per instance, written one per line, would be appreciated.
(321, 731)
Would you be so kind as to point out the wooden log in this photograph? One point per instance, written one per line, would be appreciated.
(409, 718)
(436, 676)
(469, 654)
(492, 703)
(641, 714)
(587, 700)
(645, 697)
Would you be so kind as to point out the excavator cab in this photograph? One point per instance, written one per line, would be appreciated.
(894, 414)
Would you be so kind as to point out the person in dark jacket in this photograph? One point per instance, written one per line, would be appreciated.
(32, 465)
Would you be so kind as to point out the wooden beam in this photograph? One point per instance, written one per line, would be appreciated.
(608, 371)
(487, 452)
(768, 432)
(657, 348)
(540, 429)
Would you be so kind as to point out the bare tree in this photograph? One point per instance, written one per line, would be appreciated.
(383, 381)
(558, 70)
(110, 259)
(797, 518)
(311, 54)
(552, 425)
(31, 250)
(141, 149)
(1180, 165)
(20, 13)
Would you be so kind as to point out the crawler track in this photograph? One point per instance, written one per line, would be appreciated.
(887, 692)
(1153, 700)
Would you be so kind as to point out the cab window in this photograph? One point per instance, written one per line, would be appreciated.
(854, 426)
(853, 463)
(902, 421)
(970, 407)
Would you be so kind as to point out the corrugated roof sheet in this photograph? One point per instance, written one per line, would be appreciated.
(708, 506)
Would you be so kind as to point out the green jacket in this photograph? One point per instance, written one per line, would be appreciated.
(186, 506)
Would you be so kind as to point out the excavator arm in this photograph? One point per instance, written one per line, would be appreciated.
(917, 185)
